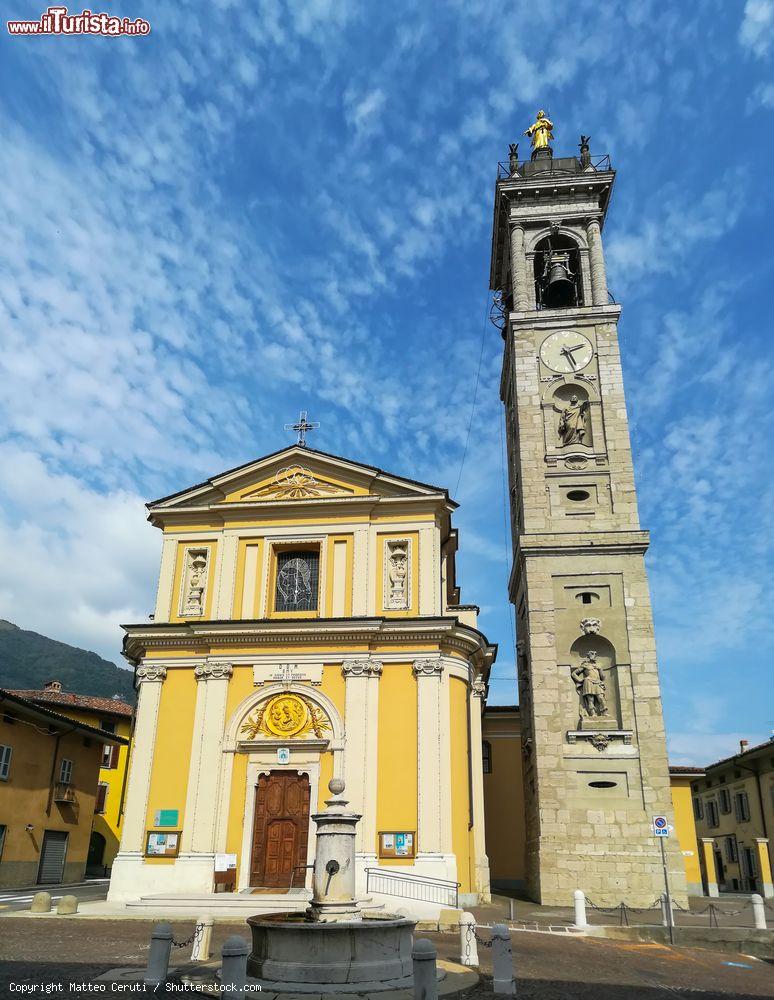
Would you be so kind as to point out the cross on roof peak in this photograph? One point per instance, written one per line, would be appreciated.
(301, 426)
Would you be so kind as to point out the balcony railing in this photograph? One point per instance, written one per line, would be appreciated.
(555, 166)
(64, 792)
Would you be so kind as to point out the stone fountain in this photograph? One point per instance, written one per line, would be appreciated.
(333, 944)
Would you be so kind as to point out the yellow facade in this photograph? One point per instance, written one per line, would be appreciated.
(304, 587)
(47, 792)
(685, 825)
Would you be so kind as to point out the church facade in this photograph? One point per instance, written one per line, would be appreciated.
(307, 625)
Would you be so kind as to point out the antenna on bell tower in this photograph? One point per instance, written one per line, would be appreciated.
(301, 426)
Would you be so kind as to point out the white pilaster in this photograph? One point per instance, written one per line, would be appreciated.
(480, 860)
(361, 753)
(166, 580)
(362, 588)
(434, 842)
(200, 819)
(132, 848)
(226, 579)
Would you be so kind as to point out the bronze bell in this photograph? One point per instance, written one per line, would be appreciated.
(558, 285)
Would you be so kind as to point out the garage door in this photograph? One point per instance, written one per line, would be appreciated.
(52, 857)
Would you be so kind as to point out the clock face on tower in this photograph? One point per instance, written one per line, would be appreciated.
(566, 351)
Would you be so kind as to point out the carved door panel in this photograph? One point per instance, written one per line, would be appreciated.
(280, 830)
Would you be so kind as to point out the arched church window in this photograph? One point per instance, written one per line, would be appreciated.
(557, 273)
(298, 573)
(486, 756)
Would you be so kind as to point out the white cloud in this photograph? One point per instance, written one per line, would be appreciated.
(756, 31)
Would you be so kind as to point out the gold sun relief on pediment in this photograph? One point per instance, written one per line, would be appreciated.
(296, 483)
(286, 716)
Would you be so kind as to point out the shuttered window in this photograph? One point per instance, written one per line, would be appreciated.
(101, 800)
(5, 762)
(65, 771)
(109, 757)
(742, 806)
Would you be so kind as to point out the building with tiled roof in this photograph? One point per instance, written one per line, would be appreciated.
(111, 715)
(50, 790)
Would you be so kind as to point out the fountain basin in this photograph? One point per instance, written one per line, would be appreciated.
(290, 949)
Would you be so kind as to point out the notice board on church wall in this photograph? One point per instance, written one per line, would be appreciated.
(397, 844)
(162, 845)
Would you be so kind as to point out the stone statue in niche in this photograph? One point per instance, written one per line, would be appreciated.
(196, 582)
(590, 685)
(572, 421)
(513, 158)
(397, 575)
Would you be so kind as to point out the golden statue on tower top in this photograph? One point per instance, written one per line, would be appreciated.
(540, 132)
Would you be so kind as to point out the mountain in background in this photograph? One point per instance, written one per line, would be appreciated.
(28, 660)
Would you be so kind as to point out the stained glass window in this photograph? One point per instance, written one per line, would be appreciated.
(297, 581)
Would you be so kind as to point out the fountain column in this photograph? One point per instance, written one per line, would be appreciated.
(333, 880)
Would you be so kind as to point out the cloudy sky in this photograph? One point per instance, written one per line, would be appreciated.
(267, 207)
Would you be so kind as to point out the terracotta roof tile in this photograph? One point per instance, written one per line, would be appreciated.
(87, 702)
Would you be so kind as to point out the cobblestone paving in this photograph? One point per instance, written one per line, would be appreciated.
(548, 967)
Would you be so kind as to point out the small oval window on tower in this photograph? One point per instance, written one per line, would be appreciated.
(602, 784)
(578, 495)
(587, 597)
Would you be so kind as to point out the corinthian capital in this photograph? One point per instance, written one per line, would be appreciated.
(362, 668)
(146, 674)
(427, 668)
(212, 671)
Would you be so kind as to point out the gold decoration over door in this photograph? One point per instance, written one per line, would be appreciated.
(286, 716)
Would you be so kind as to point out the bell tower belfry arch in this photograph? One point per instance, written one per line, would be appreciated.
(595, 763)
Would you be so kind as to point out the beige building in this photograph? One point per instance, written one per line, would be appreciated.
(733, 804)
(594, 751)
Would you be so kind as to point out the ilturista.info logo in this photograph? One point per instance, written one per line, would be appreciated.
(57, 21)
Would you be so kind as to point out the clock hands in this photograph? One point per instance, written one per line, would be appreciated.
(568, 353)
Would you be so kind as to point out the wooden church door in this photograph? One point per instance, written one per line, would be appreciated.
(280, 829)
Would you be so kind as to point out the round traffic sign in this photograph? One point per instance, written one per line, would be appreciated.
(660, 822)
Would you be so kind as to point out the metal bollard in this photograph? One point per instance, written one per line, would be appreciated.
(468, 943)
(667, 911)
(423, 955)
(233, 972)
(201, 946)
(502, 961)
(759, 912)
(579, 897)
(158, 955)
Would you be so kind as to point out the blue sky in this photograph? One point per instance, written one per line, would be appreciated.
(262, 208)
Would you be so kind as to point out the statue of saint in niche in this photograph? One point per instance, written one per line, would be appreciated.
(590, 684)
(572, 421)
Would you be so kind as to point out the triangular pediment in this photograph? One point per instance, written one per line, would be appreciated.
(297, 474)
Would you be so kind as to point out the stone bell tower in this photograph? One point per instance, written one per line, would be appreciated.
(595, 763)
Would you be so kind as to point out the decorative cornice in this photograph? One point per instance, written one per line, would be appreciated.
(362, 668)
(213, 671)
(199, 636)
(146, 674)
(427, 668)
